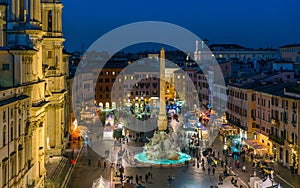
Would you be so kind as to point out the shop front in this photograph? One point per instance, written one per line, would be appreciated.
(227, 130)
(257, 149)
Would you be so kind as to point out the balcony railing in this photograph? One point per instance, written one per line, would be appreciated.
(278, 140)
(275, 122)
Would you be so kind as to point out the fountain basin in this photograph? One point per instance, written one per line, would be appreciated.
(142, 157)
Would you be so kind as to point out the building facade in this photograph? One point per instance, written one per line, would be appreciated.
(277, 121)
(33, 72)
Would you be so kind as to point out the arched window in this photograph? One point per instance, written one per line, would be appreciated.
(11, 131)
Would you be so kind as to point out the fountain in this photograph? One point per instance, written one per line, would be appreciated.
(162, 150)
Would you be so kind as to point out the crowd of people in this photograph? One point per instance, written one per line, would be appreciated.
(210, 161)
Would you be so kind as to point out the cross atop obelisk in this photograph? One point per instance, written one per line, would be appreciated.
(162, 118)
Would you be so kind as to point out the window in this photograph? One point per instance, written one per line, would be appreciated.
(4, 135)
(11, 132)
(50, 21)
(19, 128)
(49, 54)
(5, 67)
(86, 86)
(294, 105)
(4, 116)
(20, 161)
(4, 174)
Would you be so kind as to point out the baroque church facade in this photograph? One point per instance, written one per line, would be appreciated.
(33, 90)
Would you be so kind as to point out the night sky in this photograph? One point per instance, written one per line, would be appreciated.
(251, 23)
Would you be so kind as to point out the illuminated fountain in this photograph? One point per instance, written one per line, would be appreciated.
(162, 149)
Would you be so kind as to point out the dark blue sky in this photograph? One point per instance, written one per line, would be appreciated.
(251, 23)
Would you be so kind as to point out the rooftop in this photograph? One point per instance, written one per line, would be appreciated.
(290, 45)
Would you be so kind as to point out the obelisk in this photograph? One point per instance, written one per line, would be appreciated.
(162, 118)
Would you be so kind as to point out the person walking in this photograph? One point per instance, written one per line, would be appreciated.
(89, 163)
(220, 179)
(169, 180)
(244, 168)
(136, 179)
(72, 162)
(146, 178)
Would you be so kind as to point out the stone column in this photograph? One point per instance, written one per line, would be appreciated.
(38, 10)
(31, 8)
(162, 118)
(17, 10)
(59, 21)
(13, 10)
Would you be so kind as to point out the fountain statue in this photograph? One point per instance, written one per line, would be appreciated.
(162, 146)
(163, 149)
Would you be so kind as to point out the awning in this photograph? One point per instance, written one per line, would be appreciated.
(255, 144)
(227, 127)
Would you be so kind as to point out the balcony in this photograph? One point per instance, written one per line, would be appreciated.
(275, 122)
(278, 140)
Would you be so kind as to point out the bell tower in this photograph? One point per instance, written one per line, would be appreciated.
(55, 72)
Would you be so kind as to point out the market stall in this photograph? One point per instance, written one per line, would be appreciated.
(257, 148)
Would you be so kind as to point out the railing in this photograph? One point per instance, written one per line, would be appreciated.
(277, 139)
(275, 122)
